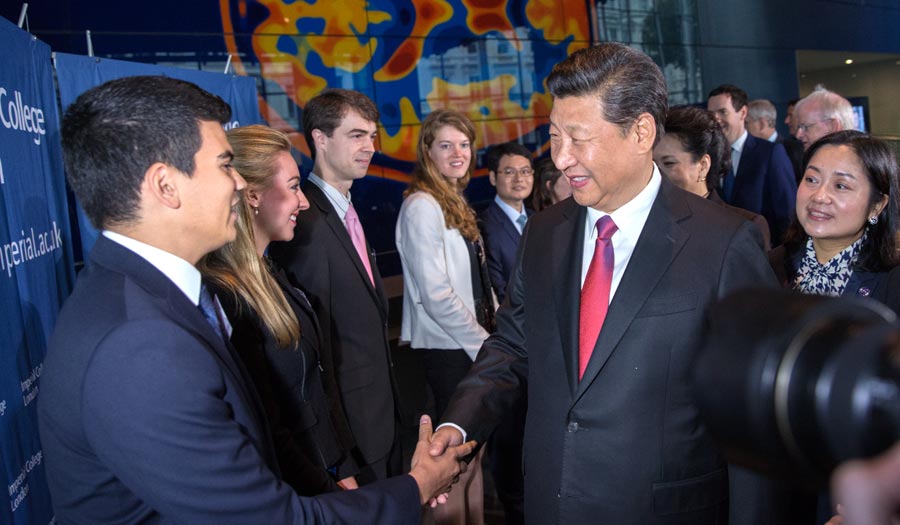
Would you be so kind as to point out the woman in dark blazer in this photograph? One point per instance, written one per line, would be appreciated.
(694, 155)
(274, 329)
(843, 239)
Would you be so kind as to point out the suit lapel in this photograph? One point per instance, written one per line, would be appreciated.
(660, 241)
(509, 229)
(746, 170)
(567, 252)
(320, 200)
(184, 313)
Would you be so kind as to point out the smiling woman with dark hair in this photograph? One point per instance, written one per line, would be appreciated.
(843, 240)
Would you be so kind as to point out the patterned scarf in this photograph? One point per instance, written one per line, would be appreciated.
(830, 278)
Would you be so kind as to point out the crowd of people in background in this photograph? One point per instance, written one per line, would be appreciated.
(555, 323)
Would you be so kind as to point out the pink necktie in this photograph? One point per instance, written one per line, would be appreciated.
(354, 228)
(595, 292)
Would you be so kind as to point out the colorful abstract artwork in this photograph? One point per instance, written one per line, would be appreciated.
(487, 58)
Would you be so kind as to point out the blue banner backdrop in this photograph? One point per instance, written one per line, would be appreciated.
(36, 262)
(76, 74)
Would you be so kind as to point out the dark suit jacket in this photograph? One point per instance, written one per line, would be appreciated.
(501, 242)
(766, 184)
(147, 417)
(794, 149)
(322, 261)
(625, 444)
(761, 224)
(309, 437)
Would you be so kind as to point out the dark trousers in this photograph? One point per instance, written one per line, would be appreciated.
(444, 369)
(504, 458)
(383, 468)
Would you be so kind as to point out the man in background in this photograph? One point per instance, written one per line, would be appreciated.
(820, 113)
(761, 118)
(330, 259)
(761, 178)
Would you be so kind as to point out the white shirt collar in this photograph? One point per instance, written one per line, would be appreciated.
(340, 202)
(511, 212)
(773, 137)
(739, 143)
(185, 276)
(630, 219)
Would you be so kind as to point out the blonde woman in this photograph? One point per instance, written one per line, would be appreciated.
(448, 305)
(275, 331)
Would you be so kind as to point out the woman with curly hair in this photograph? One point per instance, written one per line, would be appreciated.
(448, 304)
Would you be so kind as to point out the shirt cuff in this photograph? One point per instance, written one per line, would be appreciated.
(457, 427)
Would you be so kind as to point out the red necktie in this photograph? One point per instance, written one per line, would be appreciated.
(354, 228)
(595, 292)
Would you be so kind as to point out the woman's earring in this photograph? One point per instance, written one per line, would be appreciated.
(255, 210)
(701, 179)
(873, 220)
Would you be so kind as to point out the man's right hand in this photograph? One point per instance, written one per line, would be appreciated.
(446, 436)
(435, 473)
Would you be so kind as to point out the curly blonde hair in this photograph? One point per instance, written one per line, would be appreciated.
(448, 193)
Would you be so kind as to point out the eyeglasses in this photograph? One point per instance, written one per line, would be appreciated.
(511, 172)
(806, 127)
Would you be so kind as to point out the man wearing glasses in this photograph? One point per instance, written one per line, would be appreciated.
(502, 223)
(820, 113)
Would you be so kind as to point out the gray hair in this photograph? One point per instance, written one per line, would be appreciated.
(831, 105)
(762, 109)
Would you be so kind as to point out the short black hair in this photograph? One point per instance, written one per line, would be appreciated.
(626, 81)
(738, 96)
(326, 110)
(114, 132)
(498, 151)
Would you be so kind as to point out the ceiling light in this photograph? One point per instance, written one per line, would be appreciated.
(848, 61)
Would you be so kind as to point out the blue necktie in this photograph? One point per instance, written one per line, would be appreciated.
(521, 220)
(212, 311)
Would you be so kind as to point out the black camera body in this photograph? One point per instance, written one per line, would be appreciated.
(792, 384)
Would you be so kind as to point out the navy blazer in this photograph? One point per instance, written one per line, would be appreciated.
(501, 242)
(766, 184)
(146, 416)
(625, 444)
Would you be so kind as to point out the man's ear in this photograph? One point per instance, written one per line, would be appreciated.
(644, 130)
(743, 112)
(319, 137)
(162, 183)
(493, 178)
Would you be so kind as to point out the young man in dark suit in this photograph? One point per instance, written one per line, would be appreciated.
(762, 178)
(511, 173)
(145, 413)
(331, 261)
(603, 311)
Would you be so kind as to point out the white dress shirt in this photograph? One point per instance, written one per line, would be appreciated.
(512, 213)
(630, 219)
(736, 149)
(185, 276)
(339, 201)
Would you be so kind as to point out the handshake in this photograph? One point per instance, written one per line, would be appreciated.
(438, 461)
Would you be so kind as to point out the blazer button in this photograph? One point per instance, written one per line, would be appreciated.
(864, 291)
(573, 426)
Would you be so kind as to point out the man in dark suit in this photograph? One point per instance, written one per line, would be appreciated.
(339, 275)
(502, 223)
(145, 414)
(761, 117)
(762, 178)
(511, 173)
(603, 312)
